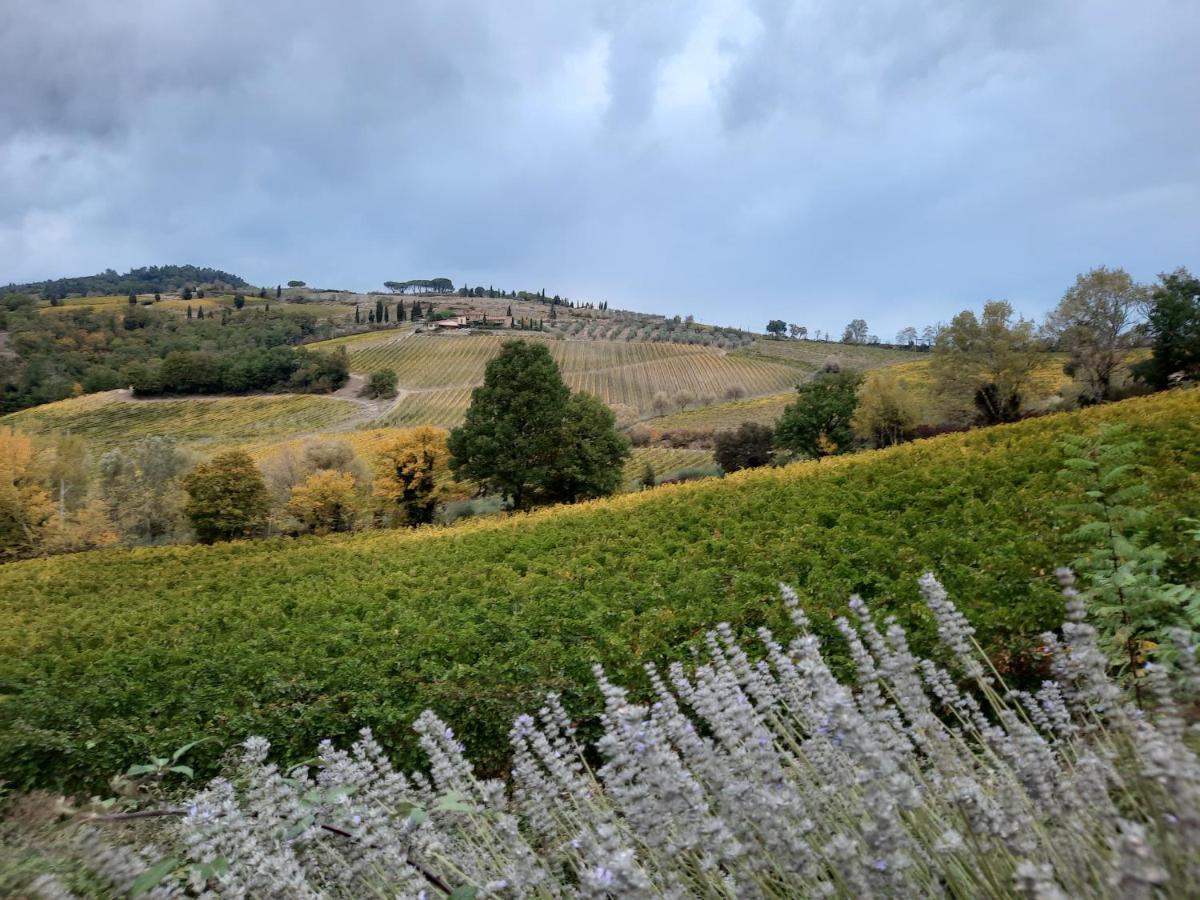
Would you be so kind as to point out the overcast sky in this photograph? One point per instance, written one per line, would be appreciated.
(897, 160)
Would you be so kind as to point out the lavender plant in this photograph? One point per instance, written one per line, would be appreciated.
(741, 777)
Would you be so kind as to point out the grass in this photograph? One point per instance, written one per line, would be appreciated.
(111, 419)
(664, 461)
(109, 657)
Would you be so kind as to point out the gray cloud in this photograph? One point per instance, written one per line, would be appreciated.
(738, 159)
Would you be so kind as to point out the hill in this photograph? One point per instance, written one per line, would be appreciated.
(108, 657)
(145, 280)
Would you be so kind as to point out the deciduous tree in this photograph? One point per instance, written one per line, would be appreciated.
(886, 411)
(411, 474)
(817, 423)
(1095, 323)
(227, 498)
(746, 447)
(326, 501)
(1173, 324)
(985, 364)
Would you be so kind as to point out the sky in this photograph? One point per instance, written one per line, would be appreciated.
(738, 160)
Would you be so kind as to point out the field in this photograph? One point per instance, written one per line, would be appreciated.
(664, 461)
(111, 419)
(623, 374)
(816, 353)
(109, 657)
(722, 416)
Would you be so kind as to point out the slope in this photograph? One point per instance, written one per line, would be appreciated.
(108, 657)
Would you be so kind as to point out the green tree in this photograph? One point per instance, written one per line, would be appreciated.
(239, 301)
(985, 364)
(591, 452)
(746, 447)
(776, 328)
(278, 291)
(227, 497)
(381, 384)
(526, 438)
(187, 293)
(817, 423)
(1094, 322)
(1173, 324)
(411, 474)
(132, 298)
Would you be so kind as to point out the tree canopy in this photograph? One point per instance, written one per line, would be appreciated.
(525, 437)
(146, 280)
(227, 497)
(817, 423)
(1173, 324)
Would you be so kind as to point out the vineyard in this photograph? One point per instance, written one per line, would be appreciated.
(440, 369)
(111, 419)
(108, 658)
(722, 416)
(665, 461)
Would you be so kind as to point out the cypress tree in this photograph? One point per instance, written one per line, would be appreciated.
(189, 312)
(278, 291)
(385, 314)
(356, 316)
(132, 299)
(400, 311)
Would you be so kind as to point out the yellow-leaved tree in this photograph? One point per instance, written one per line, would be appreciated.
(326, 501)
(24, 504)
(885, 411)
(412, 474)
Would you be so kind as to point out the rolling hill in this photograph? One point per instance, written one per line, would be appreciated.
(109, 657)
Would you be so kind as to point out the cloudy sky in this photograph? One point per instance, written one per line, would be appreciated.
(736, 159)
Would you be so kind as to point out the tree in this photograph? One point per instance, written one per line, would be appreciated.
(776, 328)
(187, 293)
(748, 446)
(326, 501)
(140, 487)
(660, 403)
(855, 333)
(885, 411)
(296, 284)
(239, 301)
(189, 311)
(132, 298)
(591, 453)
(817, 423)
(907, 337)
(524, 434)
(985, 364)
(411, 473)
(381, 384)
(1095, 323)
(278, 291)
(1173, 324)
(24, 504)
(797, 331)
(227, 498)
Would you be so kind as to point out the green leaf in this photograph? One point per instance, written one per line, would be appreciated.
(453, 802)
(182, 770)
(186, 747)
(466, 892)
(418, 816)
(152, 876)
(141, 769)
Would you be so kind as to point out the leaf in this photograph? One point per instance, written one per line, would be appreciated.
(453, 803)
(186, 747)
(418, 816)
(152, 876)
(466, 892)
(141, 769)
(182, 770)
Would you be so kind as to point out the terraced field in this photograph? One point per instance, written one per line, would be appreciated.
(111, 419)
